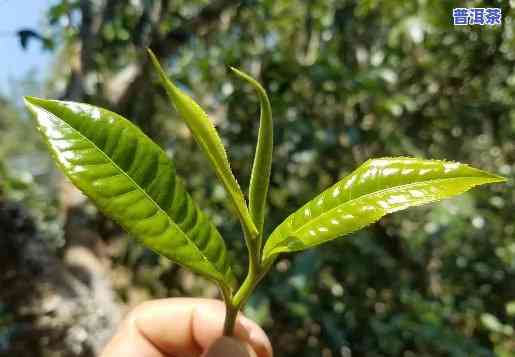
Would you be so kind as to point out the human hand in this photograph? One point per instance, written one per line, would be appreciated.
(184, 327)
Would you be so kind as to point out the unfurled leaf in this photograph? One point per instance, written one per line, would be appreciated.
(209, 141)
(260, 177)
(132, 181)
(378, 187)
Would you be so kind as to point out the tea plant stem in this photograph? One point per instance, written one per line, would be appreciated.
(254, 276)
(254, 271)
(246, 288)
(234, 303)
(231, 312)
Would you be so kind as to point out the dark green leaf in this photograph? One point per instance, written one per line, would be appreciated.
(131, 180)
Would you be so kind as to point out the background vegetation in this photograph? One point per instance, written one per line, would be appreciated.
(348, 80)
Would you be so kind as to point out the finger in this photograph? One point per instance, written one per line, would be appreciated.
(184, 327)
(129, 342)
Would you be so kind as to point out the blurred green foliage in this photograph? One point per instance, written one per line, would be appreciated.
(348, 80)
(26, 173)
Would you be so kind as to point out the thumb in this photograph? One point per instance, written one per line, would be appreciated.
(228, 346)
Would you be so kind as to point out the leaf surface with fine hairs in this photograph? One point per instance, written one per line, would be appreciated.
(209, 141)
(378, 187)
(260, 177)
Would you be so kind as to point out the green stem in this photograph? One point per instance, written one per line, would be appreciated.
(236, 303)
(231, 312)
(256, 271)
(250, 283)
(254, 276)
(245, 289)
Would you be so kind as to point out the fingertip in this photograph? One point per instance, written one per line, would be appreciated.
(256, 337)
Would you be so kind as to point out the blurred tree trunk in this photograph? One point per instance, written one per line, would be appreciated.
(131, 91)
(65, 307)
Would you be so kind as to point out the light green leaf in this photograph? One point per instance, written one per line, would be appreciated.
(378, 187)
(209, 141)
(260, 177)
(132, 181)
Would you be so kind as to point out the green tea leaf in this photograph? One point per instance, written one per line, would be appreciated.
(209, 141)
(132, 181)
(376, 188)
(260, 177)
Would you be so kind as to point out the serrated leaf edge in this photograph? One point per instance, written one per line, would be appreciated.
(270, 252)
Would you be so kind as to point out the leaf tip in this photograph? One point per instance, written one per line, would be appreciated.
(497, 179)
(242, 74)
(156, 64)
(168, 85)
(32, 103)
(151, 54)
(235, 70)
(30, 100)
(490, 177)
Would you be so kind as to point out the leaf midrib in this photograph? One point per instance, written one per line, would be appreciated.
(138, 186)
